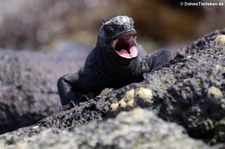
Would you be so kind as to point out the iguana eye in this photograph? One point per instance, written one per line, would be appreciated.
(109, 29)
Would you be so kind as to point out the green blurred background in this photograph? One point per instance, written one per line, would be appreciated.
(64, 24)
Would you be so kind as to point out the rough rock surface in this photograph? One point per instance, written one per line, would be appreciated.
(194, 95)
(189, 92)
(28, 85)
(136, 129)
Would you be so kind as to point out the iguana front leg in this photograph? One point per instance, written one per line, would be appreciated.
(161, 58)
(156, 60)
(66, 89)
(76, 87)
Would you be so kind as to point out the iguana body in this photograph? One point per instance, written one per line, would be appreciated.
(117, 60)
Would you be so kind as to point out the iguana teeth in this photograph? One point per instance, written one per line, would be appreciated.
(114, 43)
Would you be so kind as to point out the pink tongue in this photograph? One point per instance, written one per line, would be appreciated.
(124, 53)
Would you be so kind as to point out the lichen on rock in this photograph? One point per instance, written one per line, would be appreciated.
(188, 95)
(220, 41)
(138, 128)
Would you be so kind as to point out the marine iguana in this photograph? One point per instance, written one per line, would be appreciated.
(116, 60)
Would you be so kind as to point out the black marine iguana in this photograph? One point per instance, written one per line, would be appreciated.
(117, 60)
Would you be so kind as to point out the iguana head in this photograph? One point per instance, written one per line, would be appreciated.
(118, 35)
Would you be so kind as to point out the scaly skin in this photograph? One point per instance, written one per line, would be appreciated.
(116, 60)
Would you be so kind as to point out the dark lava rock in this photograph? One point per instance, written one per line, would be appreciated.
(92, 110)
(137, 129)
(194, 93)
(189, 92)
(28, 90)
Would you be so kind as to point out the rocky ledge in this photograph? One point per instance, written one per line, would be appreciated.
(28, 90)
(180, 106)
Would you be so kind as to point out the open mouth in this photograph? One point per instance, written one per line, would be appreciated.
(125, 46)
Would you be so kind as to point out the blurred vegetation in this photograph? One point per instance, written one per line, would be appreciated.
(45, 24)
